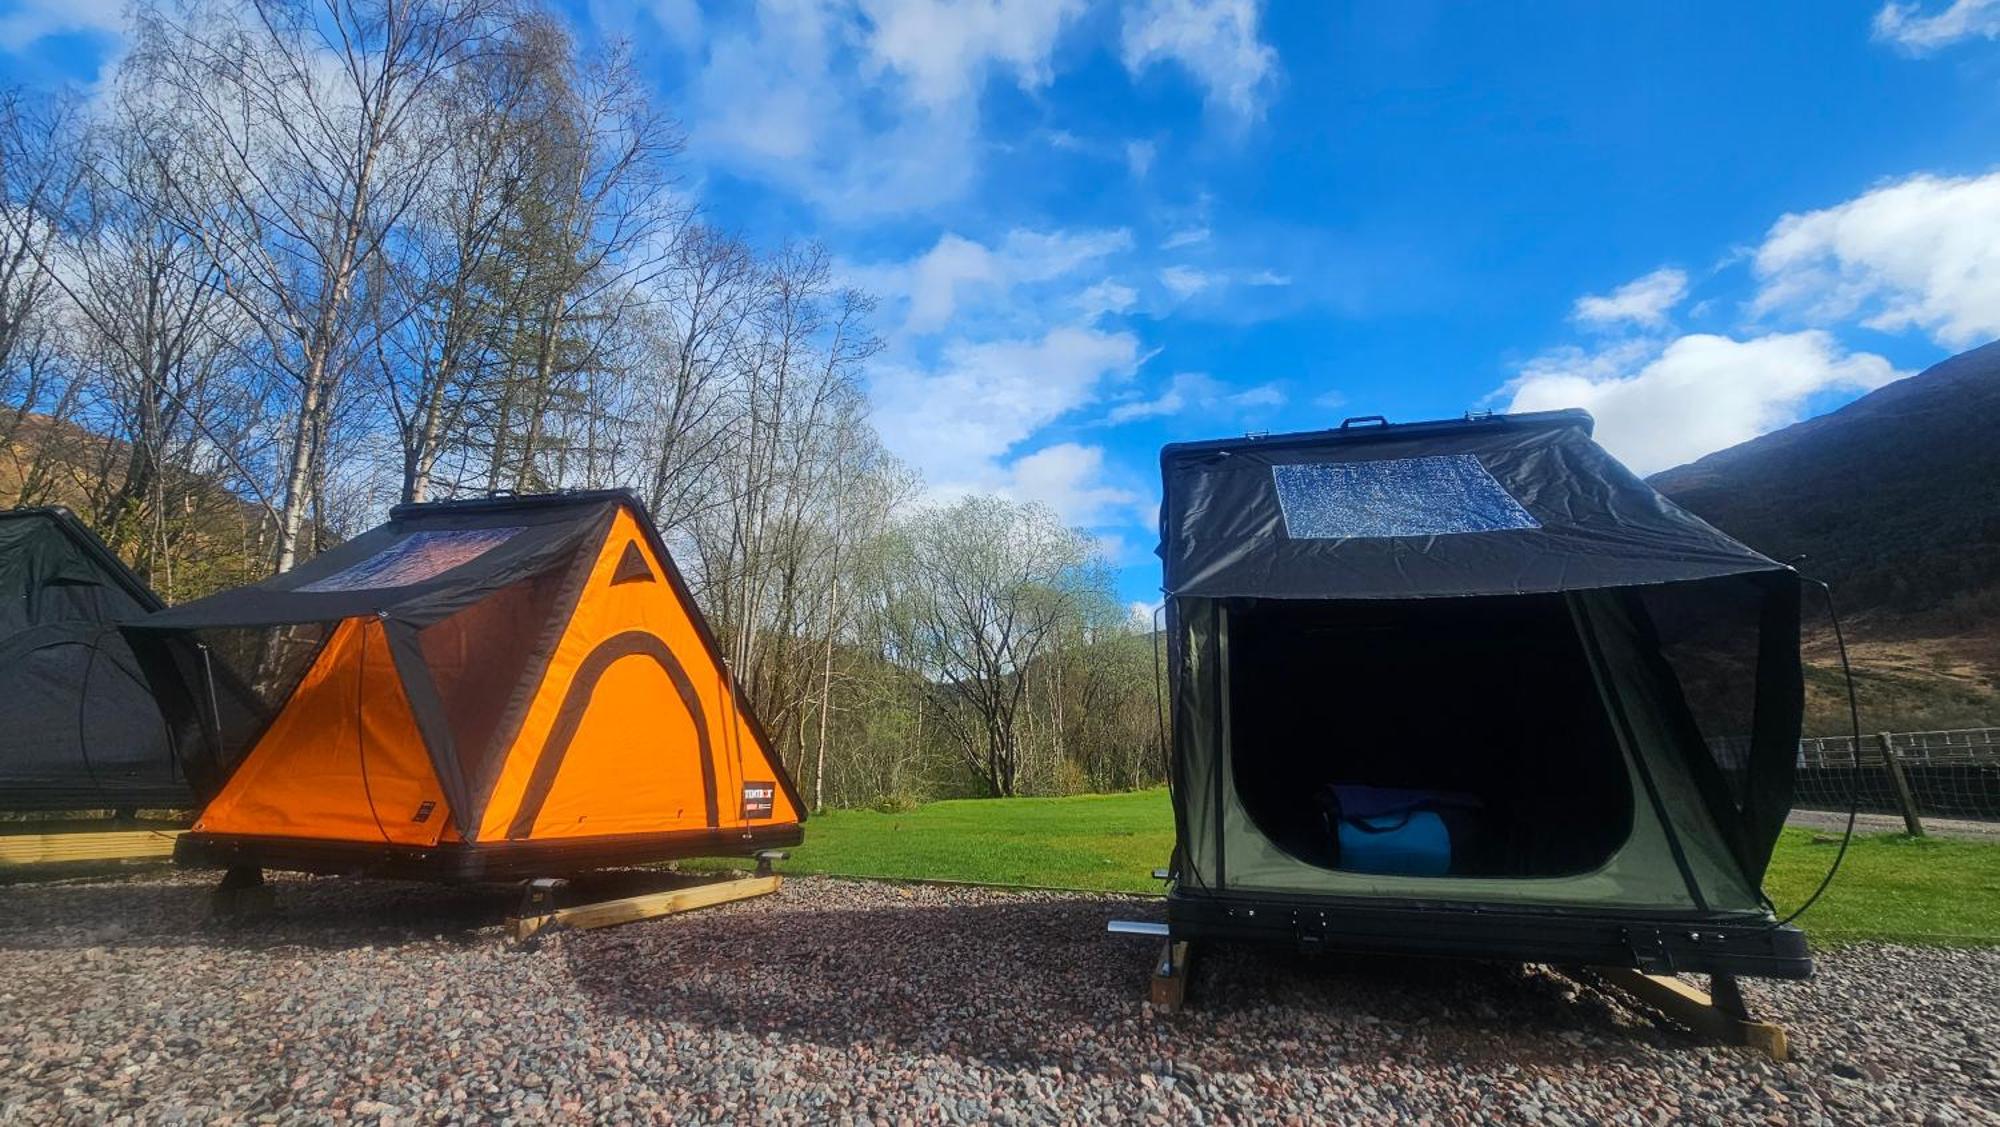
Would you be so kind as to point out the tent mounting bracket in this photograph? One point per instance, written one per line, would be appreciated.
(242, 895)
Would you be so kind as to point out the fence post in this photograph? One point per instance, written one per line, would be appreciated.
(1901, 784)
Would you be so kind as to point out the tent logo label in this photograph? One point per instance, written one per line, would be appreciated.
(423, 813)
(757, 799)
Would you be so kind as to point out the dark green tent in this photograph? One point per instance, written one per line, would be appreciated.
(82, 731)
(1473, 688)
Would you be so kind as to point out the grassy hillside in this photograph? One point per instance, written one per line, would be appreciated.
(1891, 888)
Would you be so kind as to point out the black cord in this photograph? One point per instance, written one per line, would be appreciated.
(1854, 781)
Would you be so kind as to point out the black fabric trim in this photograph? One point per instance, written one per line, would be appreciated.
(483, 861)
(1220, 740)
(1177, 755)
(427, 709)
(632, 566)
(576, 702)
(1777, 716)
(1663, 941)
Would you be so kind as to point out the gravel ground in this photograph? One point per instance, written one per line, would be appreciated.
(849, 1001)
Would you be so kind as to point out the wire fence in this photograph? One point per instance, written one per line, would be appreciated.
(1941, 774)
(1953, 774)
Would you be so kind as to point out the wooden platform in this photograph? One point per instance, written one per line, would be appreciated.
(651, 905)
(75, 847)
(1719, 1013)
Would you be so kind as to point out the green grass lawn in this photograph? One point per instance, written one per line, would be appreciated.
(1890, 888)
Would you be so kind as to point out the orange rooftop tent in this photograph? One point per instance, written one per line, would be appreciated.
(518, 686)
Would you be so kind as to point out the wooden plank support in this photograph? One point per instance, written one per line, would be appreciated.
(69, 848)
(1169, 982)
(652, 905)
(1721, 1015)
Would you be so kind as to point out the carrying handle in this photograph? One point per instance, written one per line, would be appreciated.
(1376, 420)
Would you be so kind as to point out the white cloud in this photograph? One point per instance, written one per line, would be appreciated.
(31, 21)
(1660, 406)
(956, 421)
(1198, 391)
(1645, 301)
(937, 283)
(1186, 237)
(1905, 25)
(864, 107)
(1070, 479)
(1107, 296)
(1184, 281)
(1214, 40)
(945, 49)
(1139, 157)
(1923, 253)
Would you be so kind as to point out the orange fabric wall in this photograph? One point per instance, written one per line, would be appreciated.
(633, 765)
(305, 777)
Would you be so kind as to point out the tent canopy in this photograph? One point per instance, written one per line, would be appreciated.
(1506, 504)
(1597, 691)
(508, 670)
(83, 731)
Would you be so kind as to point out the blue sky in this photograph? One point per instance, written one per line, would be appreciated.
(1099, 227)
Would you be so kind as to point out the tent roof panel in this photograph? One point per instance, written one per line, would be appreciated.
(1503, 504)
(43, 543)
(424, 563)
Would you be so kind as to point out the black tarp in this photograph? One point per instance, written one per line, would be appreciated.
(82, 731)
(1566, 516)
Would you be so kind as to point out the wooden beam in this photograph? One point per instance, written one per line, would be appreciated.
(631, 909)
(1699, 1011)
(65, 848)
(1169, 983)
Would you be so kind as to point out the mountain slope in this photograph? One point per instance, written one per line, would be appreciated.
(1894, 499)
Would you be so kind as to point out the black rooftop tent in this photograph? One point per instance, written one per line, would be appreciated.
(82, 730)
(1473, 688)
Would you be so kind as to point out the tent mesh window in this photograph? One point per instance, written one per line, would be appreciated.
(1707, 633)
(486, 655)
(1481, 716)
(264, 665)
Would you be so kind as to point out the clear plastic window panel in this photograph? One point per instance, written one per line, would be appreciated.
(415, 558)
(1434, 496)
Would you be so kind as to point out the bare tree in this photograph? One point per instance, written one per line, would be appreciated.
(312, 128)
